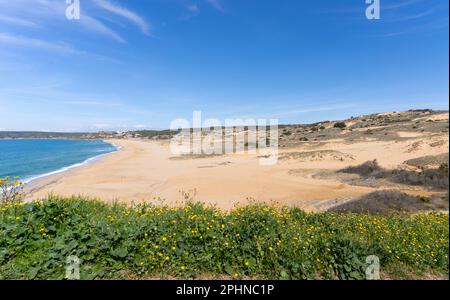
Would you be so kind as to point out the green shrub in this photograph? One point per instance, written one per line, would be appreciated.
(340, 125)
(368, 168)
(115, 241)
(382, 202)
(11, 190)
(436, 178)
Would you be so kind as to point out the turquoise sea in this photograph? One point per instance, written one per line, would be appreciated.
(32, 159)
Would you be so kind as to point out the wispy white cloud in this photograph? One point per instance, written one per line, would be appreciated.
(307, 110)
(63, 48)
(191, 11)
(413, 17)
(58, 47)
(193, 8)
(115, 127)
(400, 4)
(283, 112)
(102, 125)
(97, 26)
(89, 103)
(217, 4)
(319, 108)
(393, 34)
(51, 12)
(418, 15)
(57, 93)
(125, 13)
(17, 21)
(434, 26)
(140, 126)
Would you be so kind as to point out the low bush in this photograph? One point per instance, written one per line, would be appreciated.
(11, 190)
(383, 202)
(434, 178)
(257, 241)
(369, 168)
(340, 125)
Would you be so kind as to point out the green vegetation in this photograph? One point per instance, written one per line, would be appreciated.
(39, 135)
(385, 202)
(340, 125)
(11, 190)
(368, 168)
(255, 241)
(434, 178)
(425, 161)
(155, 133)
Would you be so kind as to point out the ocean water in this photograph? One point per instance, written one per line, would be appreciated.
(32, 159)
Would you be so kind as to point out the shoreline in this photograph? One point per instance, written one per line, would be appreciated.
(90, 160)
(34, 180)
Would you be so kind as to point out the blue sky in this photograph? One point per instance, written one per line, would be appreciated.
(140, 64)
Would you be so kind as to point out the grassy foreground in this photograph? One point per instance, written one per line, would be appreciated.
(256, 241)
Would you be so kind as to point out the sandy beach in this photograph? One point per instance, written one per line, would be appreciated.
(146, 170)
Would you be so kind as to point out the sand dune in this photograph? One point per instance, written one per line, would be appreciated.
(146, 171)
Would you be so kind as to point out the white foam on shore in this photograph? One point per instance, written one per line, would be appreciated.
(65, 169)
